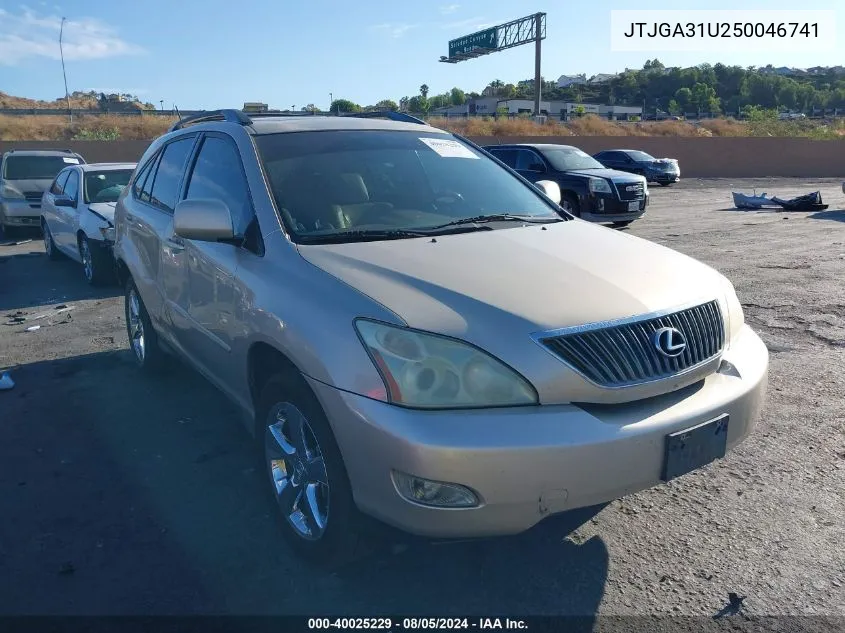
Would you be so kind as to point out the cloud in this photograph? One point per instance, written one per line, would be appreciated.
(470, 24)
(449, 8)
(28, 35)
(394, 30)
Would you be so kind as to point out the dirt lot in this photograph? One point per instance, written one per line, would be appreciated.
(121, 494)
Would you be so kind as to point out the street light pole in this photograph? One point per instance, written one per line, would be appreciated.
(161, 101)
(62, 54)
(331, 101)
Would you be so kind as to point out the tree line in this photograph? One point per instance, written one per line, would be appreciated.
(704, 88)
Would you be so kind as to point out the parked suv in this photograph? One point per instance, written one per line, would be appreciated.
(416, 333)
(663, 171)
(25, 174)
(589, 190)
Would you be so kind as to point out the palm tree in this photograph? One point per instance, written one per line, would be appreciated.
(424, 91)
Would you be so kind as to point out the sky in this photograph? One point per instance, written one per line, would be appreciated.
(219, 53)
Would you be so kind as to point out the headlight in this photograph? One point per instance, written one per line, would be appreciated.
(11, 193)
(736, 317)
(432, 371)
(599, 185)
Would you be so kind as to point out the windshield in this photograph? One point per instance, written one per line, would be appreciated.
(640, 157)
(35, 167)
(569, 158)
(347, 183)
(105, 186)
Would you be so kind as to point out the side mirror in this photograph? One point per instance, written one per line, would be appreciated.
(64, 201)
(550, 188)
(203, 220)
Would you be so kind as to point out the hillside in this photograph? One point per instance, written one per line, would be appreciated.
(79, 100)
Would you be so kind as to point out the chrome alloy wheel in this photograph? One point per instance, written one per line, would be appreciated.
(297, 471)
(87, 260)
(136, 325)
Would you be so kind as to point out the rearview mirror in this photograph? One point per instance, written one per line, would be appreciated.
(550, 188)
(203, 220)
(64, 201)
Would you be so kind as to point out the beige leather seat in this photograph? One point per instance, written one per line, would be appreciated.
(351, 201)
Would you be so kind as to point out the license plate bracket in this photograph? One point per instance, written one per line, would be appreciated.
(690, 449)
(634, 206)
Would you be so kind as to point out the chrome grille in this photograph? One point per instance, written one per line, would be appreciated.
(630, 190)
(624, 353)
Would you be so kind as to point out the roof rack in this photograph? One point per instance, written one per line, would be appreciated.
(230, 115)
(387, 114)
(42, 149)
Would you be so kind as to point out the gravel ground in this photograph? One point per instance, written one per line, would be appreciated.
(121, 494)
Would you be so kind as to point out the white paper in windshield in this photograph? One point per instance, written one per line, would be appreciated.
(447, 148)
(72, 161)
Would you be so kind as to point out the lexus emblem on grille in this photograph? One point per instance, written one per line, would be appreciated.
(670, 342)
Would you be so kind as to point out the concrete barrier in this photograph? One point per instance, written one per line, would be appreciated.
(714, 157)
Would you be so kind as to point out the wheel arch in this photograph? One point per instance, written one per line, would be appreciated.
(263, 362)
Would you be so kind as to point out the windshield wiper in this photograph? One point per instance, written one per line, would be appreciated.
(367, 235)
(501, 217)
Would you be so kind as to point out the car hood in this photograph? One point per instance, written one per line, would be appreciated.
(31, 185)
(489, 284)
(104, 209)
(611, 174)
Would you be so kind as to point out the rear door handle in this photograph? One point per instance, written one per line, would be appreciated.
(176, 243)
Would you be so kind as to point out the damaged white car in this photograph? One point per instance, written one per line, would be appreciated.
(77, 216)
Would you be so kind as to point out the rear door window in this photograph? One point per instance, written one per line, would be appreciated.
(168, 175)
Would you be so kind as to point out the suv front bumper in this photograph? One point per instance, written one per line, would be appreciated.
(527, 463)
(20, 213)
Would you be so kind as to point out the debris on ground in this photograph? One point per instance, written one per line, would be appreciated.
(6, 382)
(20, 317)
(808, 202)
(18, 243)
(735, 600)
(33, 328)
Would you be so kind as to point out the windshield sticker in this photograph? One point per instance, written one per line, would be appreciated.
(447, 148)
(72, 161)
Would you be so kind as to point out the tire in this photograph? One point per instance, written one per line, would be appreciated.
(146, 351)
(664, 184)
(53, 253)
(319, 519)
(621, 224)
(570, 203)
(96, 263)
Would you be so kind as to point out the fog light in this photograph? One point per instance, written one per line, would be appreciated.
(433, 493)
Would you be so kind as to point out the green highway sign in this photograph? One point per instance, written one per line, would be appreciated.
(487, 39)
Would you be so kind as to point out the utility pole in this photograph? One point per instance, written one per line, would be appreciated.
(538, 82)
(331, 101)
(62, 54)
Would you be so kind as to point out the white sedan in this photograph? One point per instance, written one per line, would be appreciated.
(77, 216)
